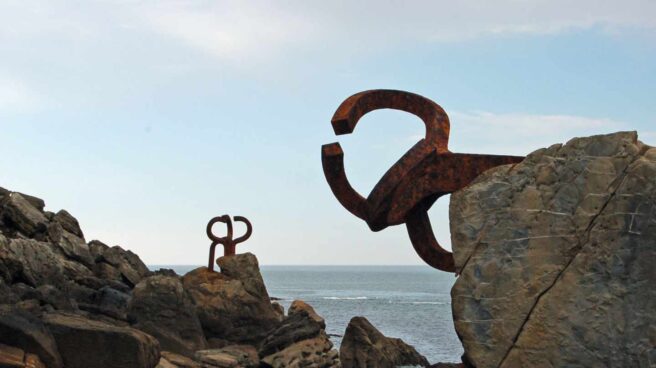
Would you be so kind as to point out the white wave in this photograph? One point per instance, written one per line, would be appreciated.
(345, 298)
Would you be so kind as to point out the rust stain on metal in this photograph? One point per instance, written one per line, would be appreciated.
(229, 244)
(409, 188)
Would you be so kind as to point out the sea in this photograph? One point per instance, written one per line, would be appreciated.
(409, 302)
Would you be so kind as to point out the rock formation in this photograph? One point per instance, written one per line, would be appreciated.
(233, 305)
(556, 258)
(363, 346)
(68, 303)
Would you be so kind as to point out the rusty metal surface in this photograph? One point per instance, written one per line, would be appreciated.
(229, 244)
(409, 188)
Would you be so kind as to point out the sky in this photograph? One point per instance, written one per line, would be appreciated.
(146, 119)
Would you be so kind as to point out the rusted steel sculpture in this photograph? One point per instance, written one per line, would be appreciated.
(410, 187)
(229, 244)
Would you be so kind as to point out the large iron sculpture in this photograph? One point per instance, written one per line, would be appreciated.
(410, 187)
(229, 244)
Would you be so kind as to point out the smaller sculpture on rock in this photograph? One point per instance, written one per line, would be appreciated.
(229, 244)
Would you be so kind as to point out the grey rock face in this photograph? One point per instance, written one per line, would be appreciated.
(131, 268)
(556, 256)
(161, 307)
(85, 343)
(363, 346)
(300, 341)
(22, 215)
(232, 306)
(21, 329)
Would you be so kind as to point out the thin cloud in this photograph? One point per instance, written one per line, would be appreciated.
(520, 133)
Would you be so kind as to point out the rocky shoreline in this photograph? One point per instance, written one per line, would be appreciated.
(66, 302)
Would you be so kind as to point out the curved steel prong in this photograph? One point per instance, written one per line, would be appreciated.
(332, 160)
(249, 229)
(423, 239)
(225, 241)
(434, 117)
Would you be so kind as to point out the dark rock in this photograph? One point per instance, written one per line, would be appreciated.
(298, 305)
(233, 356)
(21, 329)
(279, 309)
(363, 346)
(232, 305)
(70, 245)
(297, 327)
(110, 302)
(7, 295)
(165, 272)
(38, 203)
(127, 263)
(180, 360)
(97, 248)
(30, 262)
(69, 223)
(161, 307)
(22, 215)
(84, 343)
(48, 294)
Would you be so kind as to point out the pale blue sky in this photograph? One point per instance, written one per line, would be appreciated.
(145, 119)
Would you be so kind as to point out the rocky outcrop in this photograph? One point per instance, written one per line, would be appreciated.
(363, 346)
(68, 303)
(161, 307)
(556, 258)
(232, 305)
(86, 343)
(21, 329)
(233, 356)
(300, 341)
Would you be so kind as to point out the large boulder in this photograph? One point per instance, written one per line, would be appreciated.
(130, 267)
(556, 258)
(33, 262)
(161, 307)
(300, 341)
(85, 343)
(232, 305)
(363, 346)
(22, 216)
(21, 329)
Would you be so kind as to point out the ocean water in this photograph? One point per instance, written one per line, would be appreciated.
(408, 302)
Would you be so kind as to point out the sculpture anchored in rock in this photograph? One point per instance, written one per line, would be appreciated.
(229, 244)
(410, 187)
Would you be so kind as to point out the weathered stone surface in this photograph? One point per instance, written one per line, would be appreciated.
(161, 307)
(70, 245)
(69, 223)
(233, 356)
(31, 262)
(22, 215)
(109, 302)
(11, 357)
(363, 346)
(313, 352)
(85, 343)
(21, 329)
(299, 305)
(300, 341)
(180, 360)
(127, 263)
(232, 305)
(557, 256)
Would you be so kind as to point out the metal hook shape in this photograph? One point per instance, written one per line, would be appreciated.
(411, 186)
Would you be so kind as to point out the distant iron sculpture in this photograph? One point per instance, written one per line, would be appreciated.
(410, 187)
(229, 244)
